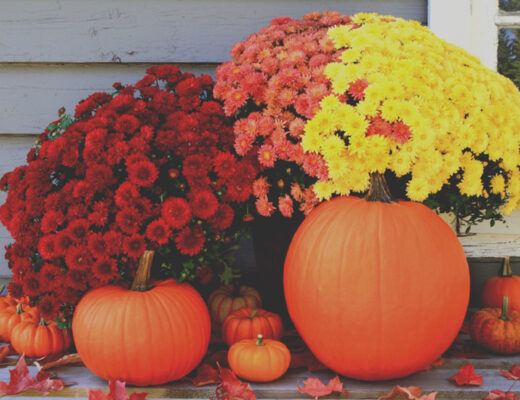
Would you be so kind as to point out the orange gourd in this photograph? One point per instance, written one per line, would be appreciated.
(247, 323)
(377, 289)
(143, 336)
(497, 329)
(259, 360)
(229, 298)
(13, 315)
(39, 338)
(505, 284)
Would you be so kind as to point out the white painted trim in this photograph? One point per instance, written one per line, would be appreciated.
(469, 24)
(507, 21)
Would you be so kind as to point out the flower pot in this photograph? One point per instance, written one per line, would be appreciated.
(271, 239)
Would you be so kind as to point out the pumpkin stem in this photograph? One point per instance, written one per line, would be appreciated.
(142, 276)
(254, 314)
(378, 190)
(260, 340)
(42, 322)
(505, 310)
(506, 271)
(19, 308)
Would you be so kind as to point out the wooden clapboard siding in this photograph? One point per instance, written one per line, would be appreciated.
(81, 31)
(31, 94)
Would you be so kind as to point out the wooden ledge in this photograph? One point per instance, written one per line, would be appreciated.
(483, 245)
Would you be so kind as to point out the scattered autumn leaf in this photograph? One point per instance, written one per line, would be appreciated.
(206, 375)
(232, 388)
(217, 358)
(436, 364)
(117, 391)
(20, 380)
(4, 352)
(408, 393)
(316, 388)
(467, 376)
(497, 394)
(307, 360)
(513, 373)
(47, 363)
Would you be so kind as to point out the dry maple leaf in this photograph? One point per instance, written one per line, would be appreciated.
(316, 388)
(513, 373)
(497, 394)
(307, 360)
(206, 375)
(4, 352)
(20, 380)
(467, 376)
(117, 391)
(232, 388)
(47, 363)
(408, 393)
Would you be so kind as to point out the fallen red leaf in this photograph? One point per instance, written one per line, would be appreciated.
(20, 380)
(467, 376)
(206, 375)
(435, 364)
(117, 391)
(307, 360)
(316, 388)
(232, 388)
(408, 393)
(497, 394)
(217, 358)
(513, 373)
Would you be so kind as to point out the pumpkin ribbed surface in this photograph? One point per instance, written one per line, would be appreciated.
(247, 323)
(35, 340)
(376, 290)
(259, 363)
(228, 298)
(495, 334)
(142, 338)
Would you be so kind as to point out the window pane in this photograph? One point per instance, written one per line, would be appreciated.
(510, 5)
(509, 54)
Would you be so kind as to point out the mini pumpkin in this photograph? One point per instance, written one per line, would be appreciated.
(39, 338)
(229, 298)
(497, 329)
(259, 360)
(12, 316)
(247, 323)
(505, 284)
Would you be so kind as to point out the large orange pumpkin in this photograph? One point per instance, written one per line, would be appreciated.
(505, 284)
(145, 336)
(376, 290)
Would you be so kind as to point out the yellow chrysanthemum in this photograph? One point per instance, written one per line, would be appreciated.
(430, 109)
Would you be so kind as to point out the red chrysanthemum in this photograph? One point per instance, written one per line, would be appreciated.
(49, 274)
(225, 164)
(97, 245)
(401, 132)
(190, 241)
(128, 220)
(203, 203)
(223, 217)
(143, 173)
(134, 246)
(176, 211)
(78, 258)
(158, 231)
(49, 307)
(78, 229)
(127, 124)
(63, 241)
(47, 247)
(32, 286)
(357, 89)
(105, 269)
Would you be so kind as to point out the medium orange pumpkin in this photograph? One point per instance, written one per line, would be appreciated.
(505, 284)
(247, 323)
(259, 360)
(144, 336)
(377, 290)
(229, 298)
(12, 316)
(497, 329)
(39, 338)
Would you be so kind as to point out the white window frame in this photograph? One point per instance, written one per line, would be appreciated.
(472, 25)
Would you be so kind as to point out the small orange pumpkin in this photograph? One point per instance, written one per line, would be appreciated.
(12, 316)
(39, 338)
(259, 360)
(505, 284)
(497, 330)
(229, 298)
(247, 323)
